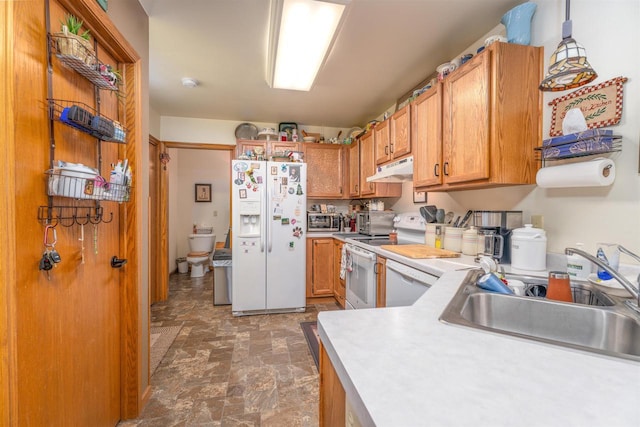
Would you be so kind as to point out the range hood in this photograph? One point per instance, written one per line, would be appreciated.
(398, 171)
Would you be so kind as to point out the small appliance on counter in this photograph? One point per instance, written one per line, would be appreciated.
(317, 221)
(375, 223)
(501, 223)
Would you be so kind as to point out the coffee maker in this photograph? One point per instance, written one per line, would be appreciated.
(501, 223)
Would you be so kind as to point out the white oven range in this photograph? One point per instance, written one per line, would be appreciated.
(404, 284)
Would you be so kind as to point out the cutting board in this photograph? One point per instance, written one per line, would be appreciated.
(420, 251)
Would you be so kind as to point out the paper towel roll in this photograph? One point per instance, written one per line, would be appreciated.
(595, 173)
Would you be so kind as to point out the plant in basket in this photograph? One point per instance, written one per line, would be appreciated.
(73, 42)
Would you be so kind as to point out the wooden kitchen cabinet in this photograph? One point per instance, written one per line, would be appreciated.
(283, 147)
(339, 285)
(381, 286)
(242, 146)
(368, 168)
(491, 122)
(393, 136)
(269, 147)
(319, 267)
(426, 130)
(332, 408)
(400, 133)
(325, 171)
(353, 156)
(382, 143)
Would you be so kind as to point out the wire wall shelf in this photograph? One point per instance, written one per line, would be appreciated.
(84, 118)
(85, 186)
(78, 54)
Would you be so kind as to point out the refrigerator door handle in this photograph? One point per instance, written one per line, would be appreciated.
(269, 219)
(262, 220)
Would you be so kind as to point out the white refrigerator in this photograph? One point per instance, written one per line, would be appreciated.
(269, 217)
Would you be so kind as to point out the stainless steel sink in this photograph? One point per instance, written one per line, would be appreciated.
(609, 328)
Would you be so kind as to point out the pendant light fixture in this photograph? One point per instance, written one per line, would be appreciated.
(568, 67)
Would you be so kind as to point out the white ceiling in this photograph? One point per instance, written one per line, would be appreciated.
(384, 49)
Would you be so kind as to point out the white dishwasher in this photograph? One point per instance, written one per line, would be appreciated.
(406, 284)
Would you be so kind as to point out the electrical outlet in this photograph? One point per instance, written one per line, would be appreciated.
(537, 221)
(215, 213)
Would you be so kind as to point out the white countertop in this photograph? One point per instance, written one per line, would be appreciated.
(400, 366)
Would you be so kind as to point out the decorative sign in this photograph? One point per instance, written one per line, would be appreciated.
(600, 104)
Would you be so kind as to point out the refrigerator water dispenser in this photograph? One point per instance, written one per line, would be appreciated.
(249, 218)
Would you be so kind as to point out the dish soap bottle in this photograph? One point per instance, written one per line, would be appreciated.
(578, 267)
(438, 242)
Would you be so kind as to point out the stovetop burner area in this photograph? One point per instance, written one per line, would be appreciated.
(375, 242)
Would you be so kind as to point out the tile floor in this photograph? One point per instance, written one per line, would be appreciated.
(230, 371)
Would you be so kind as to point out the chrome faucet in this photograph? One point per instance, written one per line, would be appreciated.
(630, 287)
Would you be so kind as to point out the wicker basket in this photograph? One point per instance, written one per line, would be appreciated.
(69, 44)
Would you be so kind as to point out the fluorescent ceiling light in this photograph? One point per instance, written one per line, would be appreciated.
(300, 35)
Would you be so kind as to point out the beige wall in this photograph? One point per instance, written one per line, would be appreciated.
(133, 23)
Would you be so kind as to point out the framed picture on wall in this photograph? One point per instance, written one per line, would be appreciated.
(419, 197)
(203, 192)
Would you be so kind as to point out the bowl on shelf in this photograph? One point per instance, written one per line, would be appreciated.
(309, 139)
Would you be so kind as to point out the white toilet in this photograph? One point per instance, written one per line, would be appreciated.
(202, 248)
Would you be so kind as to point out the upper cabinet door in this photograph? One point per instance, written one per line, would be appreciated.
(324, 170)
(367, 164)
(381, 137)
(466, 122)
(400, 143)
(426, 134)
(354, 168)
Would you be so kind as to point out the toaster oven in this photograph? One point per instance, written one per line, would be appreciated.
(317, 221)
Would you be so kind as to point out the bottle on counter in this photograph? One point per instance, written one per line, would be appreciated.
(578, 267)
(438, 241)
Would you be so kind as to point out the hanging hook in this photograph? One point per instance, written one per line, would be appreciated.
(110, 218)
(88, 216)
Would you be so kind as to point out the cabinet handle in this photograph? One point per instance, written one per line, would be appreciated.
(445, 169)
(356, 188)
(391, 149)
(386, 149)
(371, 186)
(375, 268)
(341, 189)
(436, 169)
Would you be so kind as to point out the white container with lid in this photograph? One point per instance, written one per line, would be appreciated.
(470, 241)
(529, 248)
(578, 267)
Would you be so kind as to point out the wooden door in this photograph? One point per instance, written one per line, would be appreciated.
(354, 169)
(157, 226)
(381, 138)
(426, 125)
(325, 168)
(465, 122)
(367, 164)
(74, 364)
(332, 397)
(400, 140)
